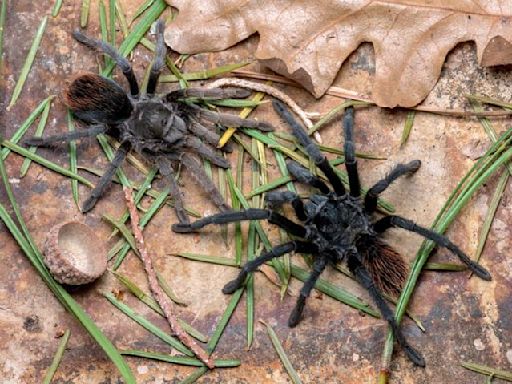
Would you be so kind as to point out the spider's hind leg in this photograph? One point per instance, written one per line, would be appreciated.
(204, 181)
(167, 172)
(122, 62)
(363, 277)
(400, 222)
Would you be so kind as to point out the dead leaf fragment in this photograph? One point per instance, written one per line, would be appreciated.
(309, 40)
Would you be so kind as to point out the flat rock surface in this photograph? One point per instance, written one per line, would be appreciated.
(465, 319)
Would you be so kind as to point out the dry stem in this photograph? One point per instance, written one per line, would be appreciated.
(259, 87)
(157, 291)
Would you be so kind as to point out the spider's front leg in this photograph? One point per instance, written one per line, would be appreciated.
(253, 265)
(370, 200)
(310, 147)
(277, 198)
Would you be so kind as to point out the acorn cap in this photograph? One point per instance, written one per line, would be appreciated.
(73, 253)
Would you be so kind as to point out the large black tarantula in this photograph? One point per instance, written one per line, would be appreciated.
(336, 227)
(163, 128)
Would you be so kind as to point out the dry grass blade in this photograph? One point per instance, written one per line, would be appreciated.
(159, 295)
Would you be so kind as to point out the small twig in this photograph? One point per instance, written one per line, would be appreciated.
(259, 87)
(349, 94)
(157, 291)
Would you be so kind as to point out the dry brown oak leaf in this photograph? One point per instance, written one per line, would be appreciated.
(309, 40)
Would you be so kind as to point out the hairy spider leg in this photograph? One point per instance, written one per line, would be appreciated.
(159, 59)
(208, 93)
(65, 137)
(204, 181)
(319, 264)
(277, 198)
(310, 147)
(167, 172)
(104, 181)
(364, 278)
(400, 222)
(277, 251)
(203, 133)
(223, 218)
(205, 151)
(304, 176)
(350, 153)
(236, 216)
(370, 200)
(109, 50)
(230, 120)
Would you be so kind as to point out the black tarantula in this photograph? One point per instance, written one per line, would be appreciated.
(163, 128)
(337, 226)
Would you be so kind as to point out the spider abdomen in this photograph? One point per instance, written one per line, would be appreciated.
(96, 99)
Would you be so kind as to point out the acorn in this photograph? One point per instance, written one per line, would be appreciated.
(74, 254)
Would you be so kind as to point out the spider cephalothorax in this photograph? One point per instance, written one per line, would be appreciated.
(336, 227)
(163, 128)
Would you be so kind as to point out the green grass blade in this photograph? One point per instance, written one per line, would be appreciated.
(3, 13)
(39, 132)
(409, 122)
(194, 376)
(28, 63)
(112, 22)
(146, 324)
(494, 158)
(84, 13)
(485, 370)
(142, 9)
(122, 19)
(294, 377)
(218, 260)
(56, 359)
(151, 303)
(73, 164)
(136, 34)
(491, 211)
(168, 290)
(45, 163)
(181, 360)
(26, 243)
(204, 75)
(333, 113)
(26, 124)
(56, 8)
